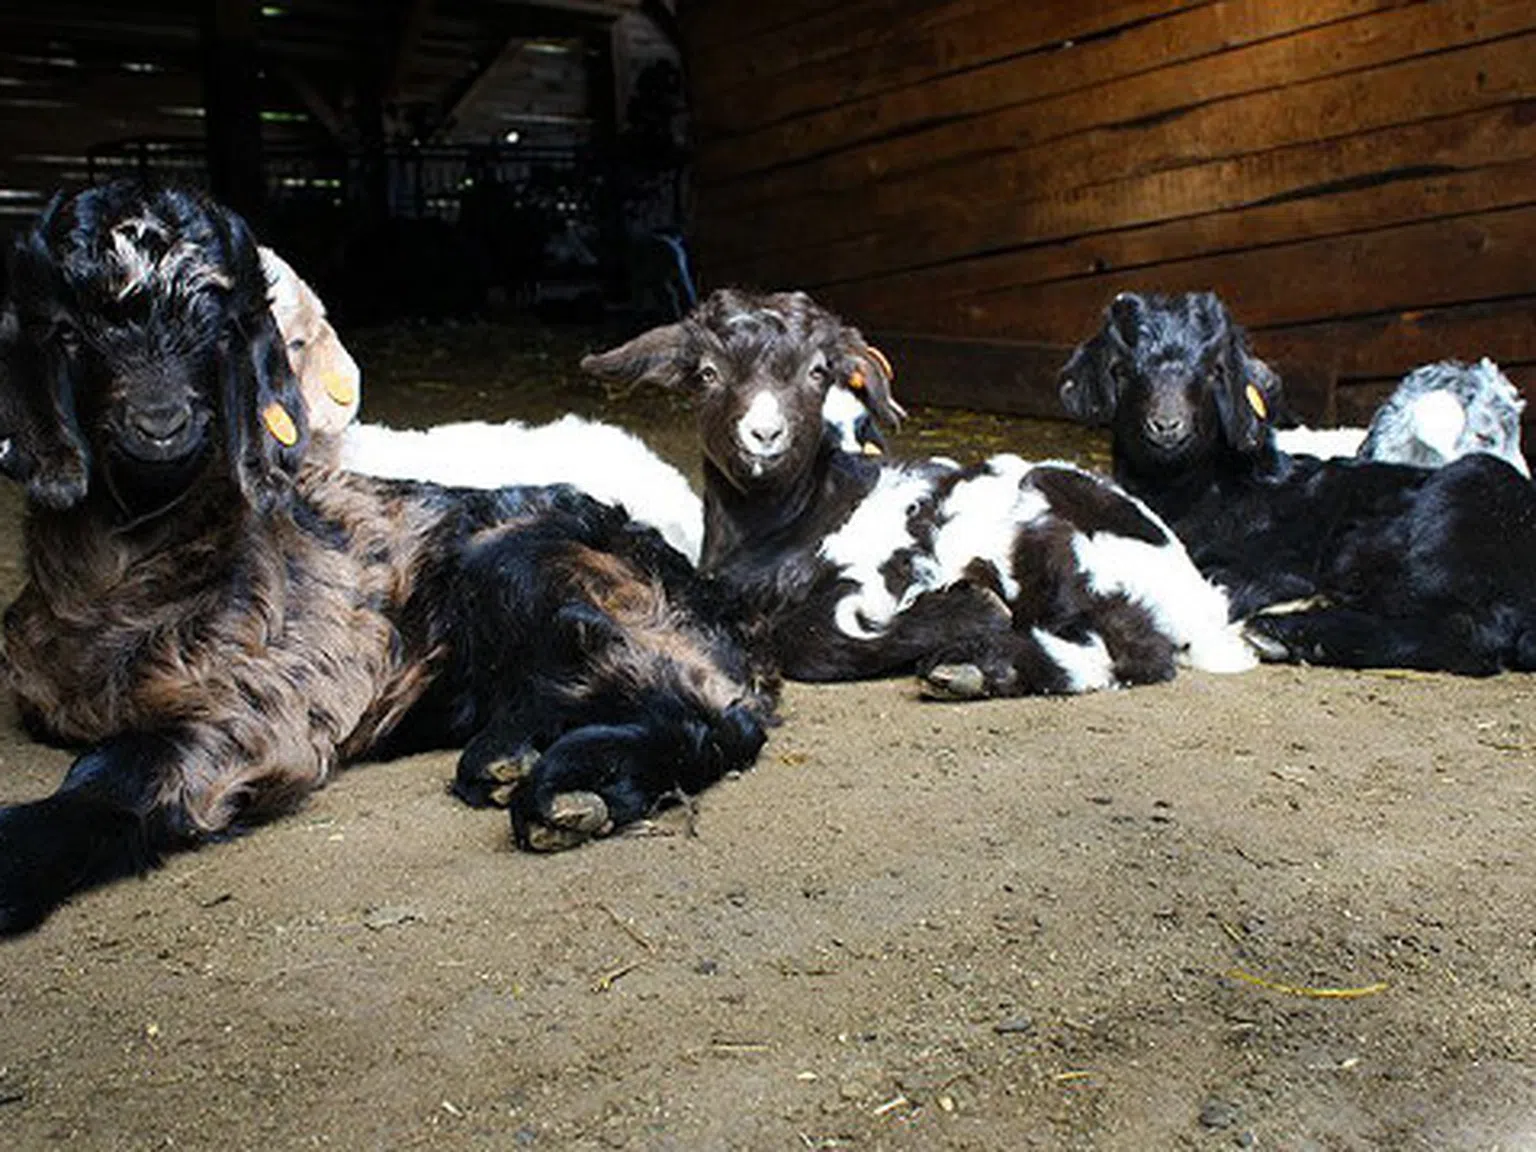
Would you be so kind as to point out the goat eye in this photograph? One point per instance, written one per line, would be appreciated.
(708, 374)
(297, 344)
(69, 339)
(818, 373)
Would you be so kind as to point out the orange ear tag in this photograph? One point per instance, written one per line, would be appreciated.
(1256, 402)
(856, 380)
(339, 388)
(880, 358)
(280, 424)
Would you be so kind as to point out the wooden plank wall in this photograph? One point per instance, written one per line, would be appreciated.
(1356, 177)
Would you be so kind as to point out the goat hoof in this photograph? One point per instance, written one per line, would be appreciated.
(512, 769)
(953, 682)
(573, 818)
(493, 782)
(1271, 649)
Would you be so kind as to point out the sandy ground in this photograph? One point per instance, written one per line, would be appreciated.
(1289, 909)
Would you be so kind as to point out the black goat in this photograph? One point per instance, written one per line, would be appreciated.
(1002, 578)
(224, 622)
(1403, 566)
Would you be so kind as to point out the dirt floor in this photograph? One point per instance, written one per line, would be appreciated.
(1289, 909)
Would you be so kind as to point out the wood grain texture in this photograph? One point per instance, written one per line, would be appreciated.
(1357, 177)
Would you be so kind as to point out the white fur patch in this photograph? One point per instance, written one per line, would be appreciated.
(1088, 666)
(876, 530)
(1324, 443)
(606, 462)
(1183, 604)
(762, 430)
(1438, 421)
(842, 411)
(980, 521)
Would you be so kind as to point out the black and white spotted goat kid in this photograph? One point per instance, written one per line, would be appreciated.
(1002, 578)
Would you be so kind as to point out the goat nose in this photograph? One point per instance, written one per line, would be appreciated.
(1165, 426)
(766, 438)
(162, 421)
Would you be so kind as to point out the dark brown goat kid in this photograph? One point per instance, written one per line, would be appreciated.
(222, 622)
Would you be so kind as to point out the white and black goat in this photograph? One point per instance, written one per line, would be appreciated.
(1439, 412)
(221, 620)
(1400, 566)
(1002, 578)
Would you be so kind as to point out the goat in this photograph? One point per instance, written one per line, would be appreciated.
(1443, 411)
(1003, 578)
(1438, 413)
(223, 621)
(603, 460)
(1398, 565)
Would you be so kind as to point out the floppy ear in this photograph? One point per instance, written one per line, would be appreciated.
(1089, 384)
(1247, 390)
(654, 357)
(265, 425)
(47, 447)
(866, 372)
(16, 460)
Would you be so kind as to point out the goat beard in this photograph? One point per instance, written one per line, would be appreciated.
(144, 489)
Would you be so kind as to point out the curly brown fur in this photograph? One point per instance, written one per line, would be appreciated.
(226, 620)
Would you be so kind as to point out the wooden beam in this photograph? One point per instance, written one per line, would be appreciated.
(231, 104)
(413, 22)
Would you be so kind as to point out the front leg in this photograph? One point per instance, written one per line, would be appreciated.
(597, 778)
(105, 821)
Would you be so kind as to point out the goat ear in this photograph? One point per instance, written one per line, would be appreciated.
(266, 425)
(867, 373)
(44, 446)
(653, 357)
(16, 461)
(1248, 390)
(1123, 316)
(1087, 383)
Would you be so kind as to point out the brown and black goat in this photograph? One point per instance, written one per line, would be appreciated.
(222, 623)
(1001, 578)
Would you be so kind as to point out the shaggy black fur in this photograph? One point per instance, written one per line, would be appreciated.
(223, 621)
(1425, 569)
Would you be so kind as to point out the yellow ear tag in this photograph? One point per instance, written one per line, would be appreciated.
(280, 424)
(856, 380)
(339, 388)
(880, 358)
(871, 449)
(1256, 402)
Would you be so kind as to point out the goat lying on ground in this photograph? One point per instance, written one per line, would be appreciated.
(605, 461)
(1439, 413)
(1403, 566)
(1443, 411)
(224, 622)
(999, 579)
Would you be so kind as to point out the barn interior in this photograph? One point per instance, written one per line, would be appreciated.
(970, 182)
(1286, 909)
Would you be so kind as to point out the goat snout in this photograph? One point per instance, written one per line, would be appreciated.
(763, 430)
(1167, 427)
(163, 430)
